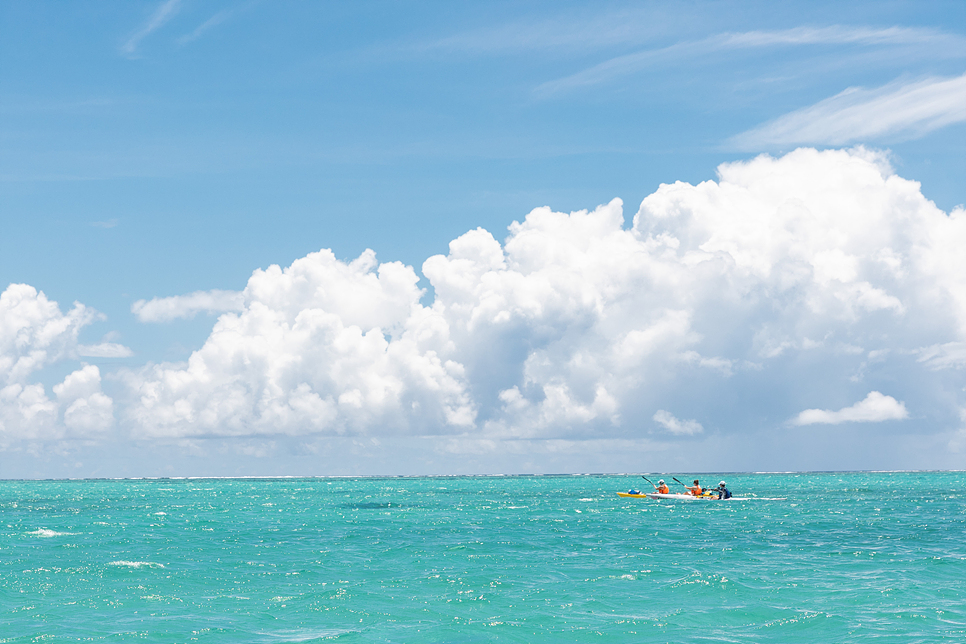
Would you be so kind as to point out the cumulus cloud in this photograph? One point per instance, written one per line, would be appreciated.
(34, 334)
(321, 346)
(576, 324)
(896, 110)
(743, 299)
(86, 408)
(681, 427)
(875, 408)
(166, 309)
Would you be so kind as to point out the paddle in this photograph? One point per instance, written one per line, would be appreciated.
(675, 478)
(649, 481)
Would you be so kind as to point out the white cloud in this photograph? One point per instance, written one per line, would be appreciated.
(86, 408)
(161, 15)
(896, 110)
(321, 346)
(680, 427)
(104, 350)
(874, 408)
(841, 35)
(781, 273)
(575, 324)
(34, 334)
(165, 309)
(26, 413)
(944, 356)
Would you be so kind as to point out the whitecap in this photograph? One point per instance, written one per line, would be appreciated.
(45, 533)
(306, 635)
(136, 564)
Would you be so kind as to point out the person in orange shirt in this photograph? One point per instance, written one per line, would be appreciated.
(696, 488)
(662, 487)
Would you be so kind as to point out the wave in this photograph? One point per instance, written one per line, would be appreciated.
(46, 534)
(136, 564)
(313, 635)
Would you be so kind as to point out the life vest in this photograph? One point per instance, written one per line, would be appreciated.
(696, 490)
(664, 489)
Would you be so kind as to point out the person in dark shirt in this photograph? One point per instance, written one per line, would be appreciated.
(723, 492)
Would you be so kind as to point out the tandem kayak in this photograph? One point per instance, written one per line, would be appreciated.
(688, 497)
(673, 497)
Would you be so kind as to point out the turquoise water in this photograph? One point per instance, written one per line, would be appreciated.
(848, 557)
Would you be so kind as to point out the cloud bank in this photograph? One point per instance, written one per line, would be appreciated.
(735, 303)
(578, 327)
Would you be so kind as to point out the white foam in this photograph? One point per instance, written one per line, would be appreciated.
(136, 564)
(45, 533)
(305, 635)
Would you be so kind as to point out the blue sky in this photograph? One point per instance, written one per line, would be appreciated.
(153, 150)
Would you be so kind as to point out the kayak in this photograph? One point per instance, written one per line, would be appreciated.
(658, 495)
(689, 497)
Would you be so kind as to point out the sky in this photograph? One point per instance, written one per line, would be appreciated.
(392, 238)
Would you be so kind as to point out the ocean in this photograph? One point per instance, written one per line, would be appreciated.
(846, 557)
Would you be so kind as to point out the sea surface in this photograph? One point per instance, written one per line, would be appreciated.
(847, 557)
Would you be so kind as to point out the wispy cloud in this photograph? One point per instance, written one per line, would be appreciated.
(875, 408)
(944, 356)
(896, 110)
(214, 21)
(165, 11)
(569, 32)
(110, 223)
(797, 37)
(165, 309)
(104, 350)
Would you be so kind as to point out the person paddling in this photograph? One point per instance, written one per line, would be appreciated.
(723, 492)
(662, 487)
(695, 489)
